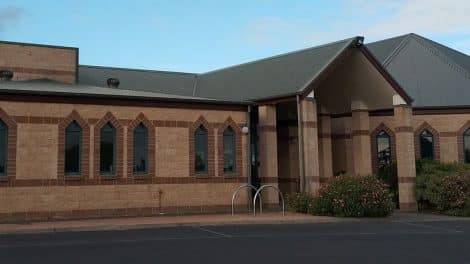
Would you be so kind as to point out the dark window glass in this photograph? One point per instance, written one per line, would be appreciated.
(107, 149)
(384, 150)
(229, 150)
(426, 141)
(200, 137)
(3, 148)
(73, 141)
(140, 149)
(466, 145)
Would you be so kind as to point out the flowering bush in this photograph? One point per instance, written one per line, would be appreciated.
(353, 196)
(444, 187)
(347, 196)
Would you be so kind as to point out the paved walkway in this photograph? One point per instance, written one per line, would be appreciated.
(161, 221)
(202, 220)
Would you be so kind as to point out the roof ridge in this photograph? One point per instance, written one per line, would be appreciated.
(439, 44)
(396, 50)
(279, 55)
(440, 55)
(330, 61)
(137, 70)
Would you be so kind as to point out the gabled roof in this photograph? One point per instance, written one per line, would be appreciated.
(282, 75)
(432, 74)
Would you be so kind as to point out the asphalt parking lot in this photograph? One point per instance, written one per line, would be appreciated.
(371, 241)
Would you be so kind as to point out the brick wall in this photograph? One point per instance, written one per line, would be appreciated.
(29, 62)
(447, 130)
(38, 188)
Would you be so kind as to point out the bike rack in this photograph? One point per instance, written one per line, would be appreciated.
(258, 193)
(235, 193)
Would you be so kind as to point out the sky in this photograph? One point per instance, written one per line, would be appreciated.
(199, 36)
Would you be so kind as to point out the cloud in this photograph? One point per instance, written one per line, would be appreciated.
(279, 32)
(10, 15)
(429, 17)
(371, 18)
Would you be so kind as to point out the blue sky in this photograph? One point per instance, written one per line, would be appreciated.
(198, 36)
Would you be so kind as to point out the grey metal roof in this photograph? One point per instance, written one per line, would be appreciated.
(383, 49)
(48, 87)
(432, 74)
(176, 83)
(281, 75)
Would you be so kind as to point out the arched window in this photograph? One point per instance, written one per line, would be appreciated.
(108, 149)
(384, 150)
(140, 149)
(3, 148)
(466, 145)
(201, 155)
(229, 150)
(426, 143)
(73, 148)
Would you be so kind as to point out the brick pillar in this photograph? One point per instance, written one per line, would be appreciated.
(406, 166)
(268, 151)
(309, 145)
(325, 148)
(361, 142)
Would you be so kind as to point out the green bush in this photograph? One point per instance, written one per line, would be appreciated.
(353, 196)
(444, 187)
(299, 202)
(388, 175)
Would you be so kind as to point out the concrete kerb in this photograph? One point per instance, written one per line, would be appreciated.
(207, 220)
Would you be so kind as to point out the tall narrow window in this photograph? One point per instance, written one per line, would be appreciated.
(229, 150)
(108, 149)
(3, 148)
(466, 145)
(140, 149)
(426, 143)
(384, 150)
(73, 148)
(200, 137)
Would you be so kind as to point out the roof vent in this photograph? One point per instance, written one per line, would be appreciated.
(6, 75)
(113, 82)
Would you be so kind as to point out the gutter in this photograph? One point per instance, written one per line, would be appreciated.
(121, 97)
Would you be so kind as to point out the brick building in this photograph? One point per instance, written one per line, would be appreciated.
(88, 141)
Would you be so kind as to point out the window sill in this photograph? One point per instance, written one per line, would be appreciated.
(4, 178)
(73, 178)
(108, 177)
(202, 176)
(140, 177)
(230, 175)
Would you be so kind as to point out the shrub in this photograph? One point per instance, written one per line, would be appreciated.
(388, 175)
(353, 196)
(444, 187)
(299, 202)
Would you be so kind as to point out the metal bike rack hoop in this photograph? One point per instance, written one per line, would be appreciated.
(259, 193)
(235, 193)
